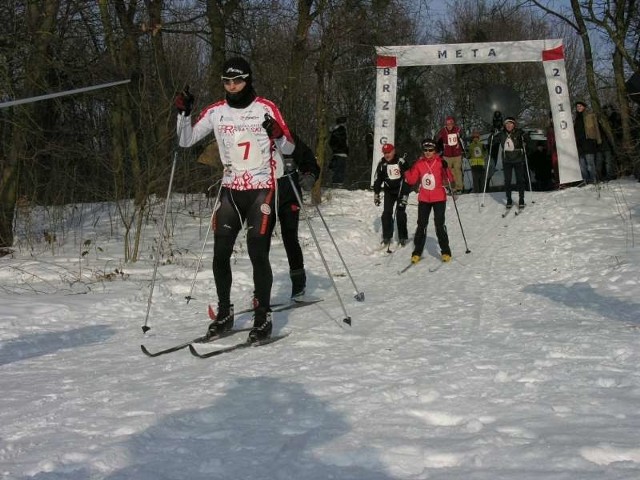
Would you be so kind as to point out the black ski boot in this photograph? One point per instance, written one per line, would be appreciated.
(262, 325)
(223, 322)
(298, 282)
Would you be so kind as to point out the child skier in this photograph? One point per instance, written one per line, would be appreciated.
(433, 173)
(388, 177)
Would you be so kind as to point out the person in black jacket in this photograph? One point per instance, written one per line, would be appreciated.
(389, 177)
(513, 141)
(339, 144)
(301, 167)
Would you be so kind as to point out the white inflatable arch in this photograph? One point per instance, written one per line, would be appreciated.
(549, 52)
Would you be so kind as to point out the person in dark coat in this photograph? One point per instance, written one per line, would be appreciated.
(302, 168)
(389, 178)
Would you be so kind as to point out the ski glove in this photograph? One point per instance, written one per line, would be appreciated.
(404, 200)
(306, 181)
(273, 128)
(376, 199)
(184, 102)
(445, 165)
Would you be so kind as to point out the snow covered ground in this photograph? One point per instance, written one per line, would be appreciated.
(518, 360)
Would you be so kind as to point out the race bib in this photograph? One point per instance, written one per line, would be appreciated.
(477, 152)
(393, 172)
(452, 139)
(245, 153)
(428, 181)
(508, 145)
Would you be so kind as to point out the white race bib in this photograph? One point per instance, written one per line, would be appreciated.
(452, 139)
(428, 181)
(477, 152)
(245, 153)
(508, 145)
(393, 171)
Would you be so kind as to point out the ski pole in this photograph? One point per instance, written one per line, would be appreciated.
(145, 327)
(458, 214)
(486, 174)
(199, 262)
(347, 318)
(526, 165)
(359, 296)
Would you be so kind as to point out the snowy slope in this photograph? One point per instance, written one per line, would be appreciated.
(517, 360)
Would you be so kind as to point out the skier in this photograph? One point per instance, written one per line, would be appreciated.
(450, 144)
(433, 173)
(513, 142)
(388, 177)
(246, 128)
(476, 160)
(301, 166)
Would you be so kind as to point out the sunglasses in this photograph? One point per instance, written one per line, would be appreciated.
(429, 149)
(235, 80)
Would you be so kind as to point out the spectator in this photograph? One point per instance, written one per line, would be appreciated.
(339, 144)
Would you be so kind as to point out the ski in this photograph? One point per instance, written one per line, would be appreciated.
(400, 272)
(506, 212)
(518, 211)
(237, 346)
(280, 307)
(201, 339)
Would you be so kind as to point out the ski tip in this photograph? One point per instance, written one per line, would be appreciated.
(145, 329)
(211, 312)
(347, 320)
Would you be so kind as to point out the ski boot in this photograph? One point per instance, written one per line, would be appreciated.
(262, 325)
(298, 283)
(223, 322)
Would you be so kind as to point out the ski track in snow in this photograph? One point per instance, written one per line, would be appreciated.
(517, 360)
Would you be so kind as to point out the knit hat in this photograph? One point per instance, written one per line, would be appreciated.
(428, 143)
(475, 134)
(450, 117)
(387, 148)
(510, 120)
(237, 67)
(580, 102)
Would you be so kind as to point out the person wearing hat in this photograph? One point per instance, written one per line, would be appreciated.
(388, 177)
(251, 135)
(476, 160)
(450, 144)
(587, 133)
(432, 174)
(512, 141)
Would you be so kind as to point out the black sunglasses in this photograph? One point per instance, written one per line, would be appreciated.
(429, 149)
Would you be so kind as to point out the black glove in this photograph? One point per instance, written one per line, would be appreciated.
(273, 128)
(184, 102)
(445, 165)
(376, 199)
(404, 199)
(306, 181)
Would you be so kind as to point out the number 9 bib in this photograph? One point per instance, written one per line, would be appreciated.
(428, 181)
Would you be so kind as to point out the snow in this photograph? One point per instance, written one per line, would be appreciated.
(516, 360)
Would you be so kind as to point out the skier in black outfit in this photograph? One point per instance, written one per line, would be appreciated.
(513, 142)
(389, 176)
(301, 166)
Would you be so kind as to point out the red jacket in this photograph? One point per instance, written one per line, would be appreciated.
(450, 141)
(433, 177)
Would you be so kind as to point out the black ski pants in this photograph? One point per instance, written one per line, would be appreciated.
(509, 168)
(256, 208)
(424, 210)
(391, 200)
